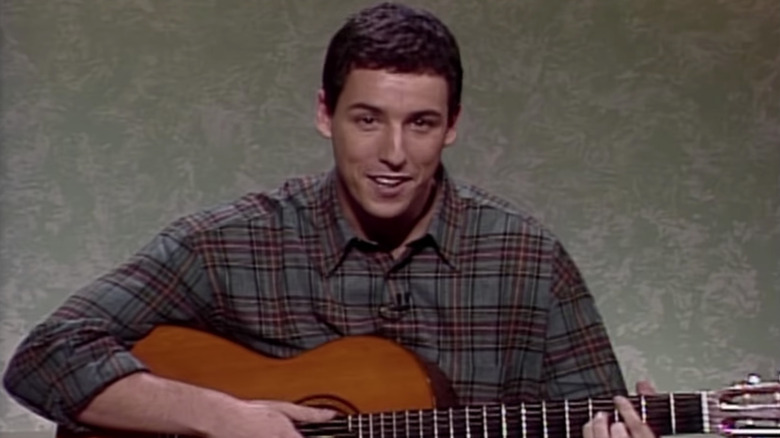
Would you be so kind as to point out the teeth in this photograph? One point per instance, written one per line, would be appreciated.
(388, 181)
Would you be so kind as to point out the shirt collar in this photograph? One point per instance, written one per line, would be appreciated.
(444, 229)
(333, 235)
(336, 236)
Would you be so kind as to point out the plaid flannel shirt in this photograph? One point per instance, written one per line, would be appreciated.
(488, 295)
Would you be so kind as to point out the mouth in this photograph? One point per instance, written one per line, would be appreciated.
(389, 181)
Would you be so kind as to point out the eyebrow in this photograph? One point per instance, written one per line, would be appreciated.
(376, 109)
(364, 106)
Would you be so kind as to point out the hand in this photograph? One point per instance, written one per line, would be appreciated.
(631, 426)
(267, 419)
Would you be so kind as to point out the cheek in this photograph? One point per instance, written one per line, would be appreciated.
(353, 148)
(351, 157)
(425, 155)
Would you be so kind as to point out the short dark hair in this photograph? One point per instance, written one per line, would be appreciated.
(397, 38)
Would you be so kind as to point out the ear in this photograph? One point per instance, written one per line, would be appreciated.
(323, 121)
(452, 131)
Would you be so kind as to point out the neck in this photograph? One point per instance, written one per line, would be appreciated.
(666, 414)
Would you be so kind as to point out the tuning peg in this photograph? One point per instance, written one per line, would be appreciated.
(753, 379)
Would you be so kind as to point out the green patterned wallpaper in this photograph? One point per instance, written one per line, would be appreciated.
(645, 133)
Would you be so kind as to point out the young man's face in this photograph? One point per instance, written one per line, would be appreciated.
(388, 132)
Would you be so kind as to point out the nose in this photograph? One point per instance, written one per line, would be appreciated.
(393, 150)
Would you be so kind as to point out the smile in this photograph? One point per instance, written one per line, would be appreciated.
(389, 181)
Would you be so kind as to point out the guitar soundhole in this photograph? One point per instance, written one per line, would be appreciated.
(330, 402)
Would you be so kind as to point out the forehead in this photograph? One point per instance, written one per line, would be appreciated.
(389, 90)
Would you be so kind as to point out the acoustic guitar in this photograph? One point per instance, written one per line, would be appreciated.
(385, 391)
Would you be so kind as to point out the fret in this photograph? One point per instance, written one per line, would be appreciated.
(705, 413)
(555, 419)
(452, 430)
(420, 424)
(370, 425)
(382, 424)
(484, 422)
(349, 423)
(504, 432)
(544, 419)
(590, 409)
(468, 423)
(692, 413)
(523, 419)
(675, 414)
(360, 426)
(394, 431)
(435, 425)
(643, 403)
(566, 418)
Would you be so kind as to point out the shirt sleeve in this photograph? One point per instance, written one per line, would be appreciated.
(579, 361)
(84, 345)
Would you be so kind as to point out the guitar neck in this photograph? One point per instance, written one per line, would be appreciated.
(668, 414)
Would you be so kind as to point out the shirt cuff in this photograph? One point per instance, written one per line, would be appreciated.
(84, 382)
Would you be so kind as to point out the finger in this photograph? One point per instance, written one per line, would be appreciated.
(587, 429)
(600, 426)
(279, 424)
(636, 427)
(626, 410)
(304, 414)
(645, 387)
(618, 430)
(291, 432)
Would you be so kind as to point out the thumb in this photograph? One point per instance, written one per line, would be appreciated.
(304, 414)
(645, 387)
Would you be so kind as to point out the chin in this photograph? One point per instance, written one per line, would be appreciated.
(385, 210)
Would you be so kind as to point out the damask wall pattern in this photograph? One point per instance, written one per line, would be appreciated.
(644, 133)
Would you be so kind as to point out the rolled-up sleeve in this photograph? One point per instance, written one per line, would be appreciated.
(85, 344)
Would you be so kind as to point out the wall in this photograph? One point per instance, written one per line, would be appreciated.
(646, 134)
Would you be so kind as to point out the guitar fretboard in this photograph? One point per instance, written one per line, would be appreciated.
(667, 414)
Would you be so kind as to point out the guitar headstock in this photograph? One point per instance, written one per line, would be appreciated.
(748, 408)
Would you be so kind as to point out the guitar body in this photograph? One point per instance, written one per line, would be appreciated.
(353, 374)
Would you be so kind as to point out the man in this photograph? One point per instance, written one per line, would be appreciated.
(385, 244)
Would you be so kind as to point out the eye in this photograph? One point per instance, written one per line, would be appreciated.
(423, 123)
(365, 120)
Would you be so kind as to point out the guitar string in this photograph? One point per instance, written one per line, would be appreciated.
(339, 428)
(533, 416)
(552, 407)
(427, 428)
